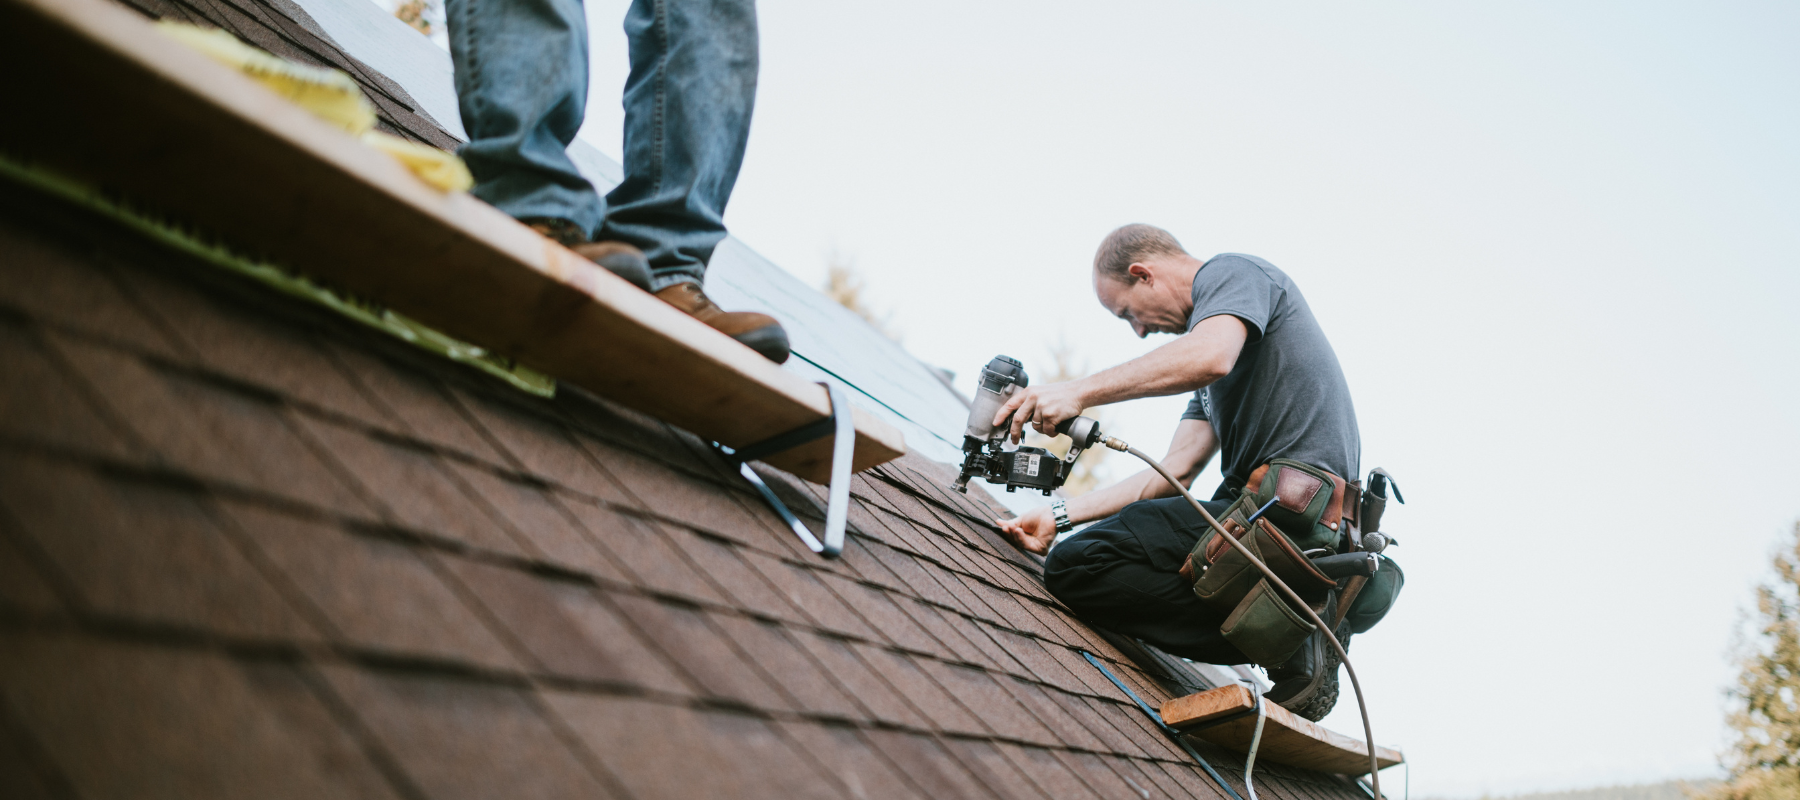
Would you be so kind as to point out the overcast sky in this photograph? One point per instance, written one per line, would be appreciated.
(1554, 245)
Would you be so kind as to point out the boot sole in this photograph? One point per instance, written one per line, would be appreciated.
(1318, 697)
(770, 342)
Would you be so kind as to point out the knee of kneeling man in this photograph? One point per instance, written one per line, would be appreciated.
(1063, 568)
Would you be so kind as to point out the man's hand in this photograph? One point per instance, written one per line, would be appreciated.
(1044, 406)
(1032, 532)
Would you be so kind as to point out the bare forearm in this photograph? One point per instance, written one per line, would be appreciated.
(1195, 359)
(1145, 485)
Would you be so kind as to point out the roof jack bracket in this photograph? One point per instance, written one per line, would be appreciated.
(842, 428)
(1174, 735)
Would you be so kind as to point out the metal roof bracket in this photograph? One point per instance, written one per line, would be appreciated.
(842, 428)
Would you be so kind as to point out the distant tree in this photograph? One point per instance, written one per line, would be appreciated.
(1087, 475)
(417, 13)
(844, 284)
(1764, 758)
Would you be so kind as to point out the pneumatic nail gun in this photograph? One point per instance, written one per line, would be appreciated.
(986, 454)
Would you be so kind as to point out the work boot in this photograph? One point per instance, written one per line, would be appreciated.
(618, 258)
(759, 332)
(1308, 683)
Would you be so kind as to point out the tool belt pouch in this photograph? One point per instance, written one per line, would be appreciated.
(1265, 627)
(1305, 511)
(1226, 577)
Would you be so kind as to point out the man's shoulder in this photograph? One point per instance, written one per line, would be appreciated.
(1244, 263)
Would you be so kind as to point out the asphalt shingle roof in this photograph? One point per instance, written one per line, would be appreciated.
(249, 548)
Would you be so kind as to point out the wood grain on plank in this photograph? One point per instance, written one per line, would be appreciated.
(180, 136)
(1287, 739)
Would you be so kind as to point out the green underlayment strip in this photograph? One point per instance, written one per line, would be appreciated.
(363, 311)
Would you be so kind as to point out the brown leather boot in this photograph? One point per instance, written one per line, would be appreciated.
(759, 332)
(618, 258)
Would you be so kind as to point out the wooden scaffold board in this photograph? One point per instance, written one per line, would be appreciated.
(1286, 739)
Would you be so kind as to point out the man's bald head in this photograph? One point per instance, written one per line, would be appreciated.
(1131, 244)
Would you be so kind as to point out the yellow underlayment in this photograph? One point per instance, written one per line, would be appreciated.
(329, 94)
(368, 313)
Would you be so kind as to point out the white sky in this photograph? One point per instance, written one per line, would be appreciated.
(1554, 245)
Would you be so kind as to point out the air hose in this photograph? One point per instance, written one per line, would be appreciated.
(1294, 598)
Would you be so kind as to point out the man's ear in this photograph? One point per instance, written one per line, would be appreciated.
(1140, 273)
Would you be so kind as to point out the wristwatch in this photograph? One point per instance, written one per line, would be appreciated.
(1060, 510)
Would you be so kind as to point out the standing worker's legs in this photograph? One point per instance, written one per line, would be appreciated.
(1121, 573)
(521, 84)
(687, 118)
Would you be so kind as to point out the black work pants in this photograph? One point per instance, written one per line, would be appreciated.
(1121, 574)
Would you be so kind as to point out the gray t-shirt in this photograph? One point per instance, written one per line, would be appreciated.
(1286, 397)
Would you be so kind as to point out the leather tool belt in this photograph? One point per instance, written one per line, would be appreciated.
(1315, 513)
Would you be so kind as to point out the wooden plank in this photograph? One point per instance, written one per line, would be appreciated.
(1287, 739)
(95, 93)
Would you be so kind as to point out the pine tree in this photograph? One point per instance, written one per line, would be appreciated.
(1764, 759)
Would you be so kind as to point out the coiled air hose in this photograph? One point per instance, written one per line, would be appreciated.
(1330, 635)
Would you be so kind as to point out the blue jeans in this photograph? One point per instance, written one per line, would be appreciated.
(521, 83)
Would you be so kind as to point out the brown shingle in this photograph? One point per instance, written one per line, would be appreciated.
(879, 608)
(1037, 661)
(982, 636)
(1049, 773)
(215, 432)
(1193, 785)
(143, 552)
(39, 404)
(997, 709)
(697, 647)
(230, 339)
(418, 403)
(566, 629)
(540, 446)
(952, 645)
(922, 691)
(413, 485)
(746, 588)
(134, 721)
(864, 772)
(1084, 672)
(647, 552)
(929, 765)
(461, 739)
(994, 770)
(1096, 772)
(660, 751)
(45, 280)
(1111, 739)
(860, 679)
(22, 588)
(915, 577)
(805, 588)
(794, 672)
(376, 593)
(860, 563)
(537, 519)
(1052, 714)
(688, 500)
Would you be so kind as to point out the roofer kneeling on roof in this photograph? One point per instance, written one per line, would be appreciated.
(1270, 394)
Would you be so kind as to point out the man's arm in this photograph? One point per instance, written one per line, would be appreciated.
(1193, 446)
(1195, 359)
